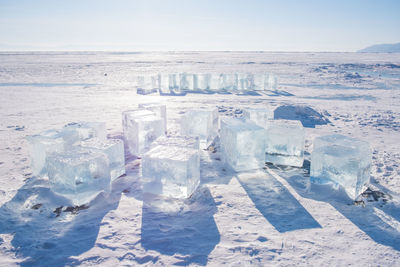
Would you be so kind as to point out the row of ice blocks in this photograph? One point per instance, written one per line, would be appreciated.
(208, 81)
(79, 160)
(201, 123)
(172, 167)
(342, 161)
(142, 126)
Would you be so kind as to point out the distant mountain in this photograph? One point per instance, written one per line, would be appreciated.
(382, 48)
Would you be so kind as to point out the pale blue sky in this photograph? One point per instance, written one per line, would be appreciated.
(285, 25)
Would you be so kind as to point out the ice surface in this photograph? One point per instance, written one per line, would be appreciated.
(159, 109)
(229, 81)
(186, 81)
(80, 174)
(85, 130)
(182, 141)
(114, 149)
(242, 144)
(201, 123)
(172, 171)
(141, 128)
(343, 161)
(201, 81)
(260, 116)
(285, 143)
(40, 146)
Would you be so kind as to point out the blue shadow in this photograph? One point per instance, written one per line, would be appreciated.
(185, 227)
(308, 116)
(365, 218)
(276, 203)
(42, 238)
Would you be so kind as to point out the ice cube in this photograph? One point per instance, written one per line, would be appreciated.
(201, 123)
(171, 171)
(242, 144)
(141, 128)
(163, 83)
(341, 160)
(182, 141)
(229, 82)
(201, 81)
(260, 116)
(85, 130)
(40, 146)
(215, 82)
(114, 149)
(244, 81)
(257, 82)
(186, 81)
(159, 109)
(285, 143)
(270, 82)
(79, 175)
(174, 83)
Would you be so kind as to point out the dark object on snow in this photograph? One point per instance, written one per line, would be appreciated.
(308, 116)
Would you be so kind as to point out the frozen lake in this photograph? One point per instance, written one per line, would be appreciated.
(260, 218)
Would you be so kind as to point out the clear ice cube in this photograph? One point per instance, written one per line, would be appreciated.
(229, 81)
(141, 128)
(159, 109)
(215, 82)
(171, 171)
(201, 81)
(186, 81)
(260, 116)
(147, 84)
(79, 175)
(40, 145)
(341, 160)
(242, 144)
(201, 123)
(285, 143)
(114, 149)
(244, 81)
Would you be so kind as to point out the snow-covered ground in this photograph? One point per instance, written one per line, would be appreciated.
(269, 217)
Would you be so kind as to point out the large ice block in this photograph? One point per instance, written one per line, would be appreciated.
(260, 116)
(141, 128)
(270, 82)
(341, 160)
(114, 149)
(186, 81)
(201, 123)
(85, 130)
(285, 143)
(229, 81)
(215, 82)
(171, 171)
(242, 144)
(40, 145)
(244, 81)
(159, 109)
(79, 175)
(257, 82)
(180, 141)
(201, 81)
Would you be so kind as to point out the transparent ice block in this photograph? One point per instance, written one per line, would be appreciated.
(285, 143)
(341, 160)
(171, 171)
(242, 144)
(159, 109)
(85, 130)
(141, 128)
(260, 116)
(201, 81)
(79, 175)
(114, 149)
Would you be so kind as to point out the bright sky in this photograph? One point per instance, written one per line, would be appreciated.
(129, 25)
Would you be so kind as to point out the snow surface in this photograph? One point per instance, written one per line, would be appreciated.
(269, 217)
